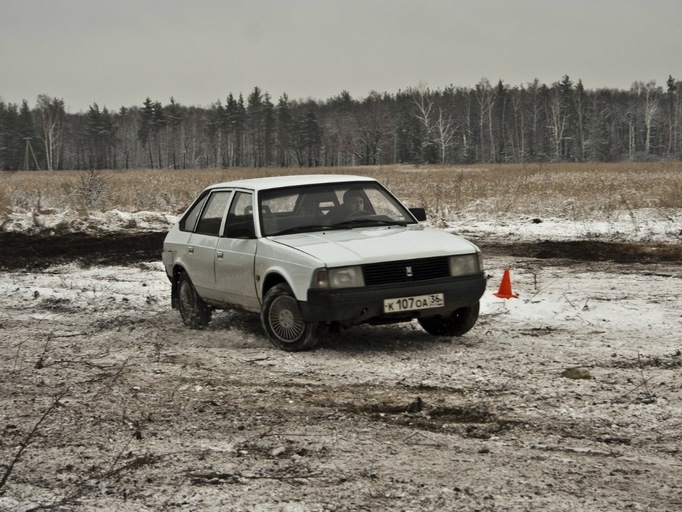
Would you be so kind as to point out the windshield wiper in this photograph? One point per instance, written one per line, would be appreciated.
(348, 224)
(299, 229)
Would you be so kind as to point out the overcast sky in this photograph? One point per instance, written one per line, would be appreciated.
(117, 52)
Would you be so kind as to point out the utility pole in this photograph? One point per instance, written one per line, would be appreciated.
(28, 143)
(29, 147)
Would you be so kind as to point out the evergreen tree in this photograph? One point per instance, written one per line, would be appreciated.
(101, 136)
(232, 129)
(126, 126)
(146, 128)
(11, 143)
(235, 119)
(340, 129)
(159, 122)
(215, 131)
(256, 134)
(532, 123)
(306, 139)
(673, 120)
(580, 111)
(173, 113)
(284, 125)
(268, 131)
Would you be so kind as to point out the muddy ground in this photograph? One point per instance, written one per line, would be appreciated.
(107, 402)
(30, 251)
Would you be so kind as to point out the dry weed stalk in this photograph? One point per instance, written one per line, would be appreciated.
(92, 190)
(29, 437)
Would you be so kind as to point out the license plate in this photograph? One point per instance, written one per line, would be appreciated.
(434, 300)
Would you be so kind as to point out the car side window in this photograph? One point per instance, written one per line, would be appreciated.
(212, 216)
(190, 219)
(383, 204)
(240, 217)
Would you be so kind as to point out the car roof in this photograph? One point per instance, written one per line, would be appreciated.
(271, 182)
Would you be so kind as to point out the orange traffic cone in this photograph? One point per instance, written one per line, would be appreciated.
(505, 291)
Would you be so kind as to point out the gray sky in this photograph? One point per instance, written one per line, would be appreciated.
(117, 52)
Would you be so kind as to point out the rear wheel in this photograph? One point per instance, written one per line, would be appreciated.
(283, 323)
(195, 313)
(456, 324)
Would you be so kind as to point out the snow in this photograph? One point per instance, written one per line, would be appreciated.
(83, 288)
(94, 222)
(644, 225)
(550, 298)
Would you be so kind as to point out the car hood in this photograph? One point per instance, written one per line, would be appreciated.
(371, 245)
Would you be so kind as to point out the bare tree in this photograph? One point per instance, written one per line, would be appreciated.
(517, 134)
(51, 112)
(486, 101)
(558, 115)
(536, 134)
(439, 127)
(444, 133)
(647, 109)
(651, 109)
(366, 131)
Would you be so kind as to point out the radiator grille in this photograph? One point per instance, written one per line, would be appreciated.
(405, 271)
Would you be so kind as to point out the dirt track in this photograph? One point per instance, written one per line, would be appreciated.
(138, 413)
(34, 251)
(20, 250)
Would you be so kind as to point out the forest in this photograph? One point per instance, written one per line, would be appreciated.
(487, 123)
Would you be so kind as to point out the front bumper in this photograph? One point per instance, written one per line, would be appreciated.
(357, 305)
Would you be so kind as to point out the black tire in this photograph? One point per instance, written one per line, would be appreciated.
(283, 323)
(195, 313)
(458, 323)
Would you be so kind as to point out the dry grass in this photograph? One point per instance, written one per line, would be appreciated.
(572, 190)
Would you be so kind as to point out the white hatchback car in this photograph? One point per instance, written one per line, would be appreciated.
(310, 252)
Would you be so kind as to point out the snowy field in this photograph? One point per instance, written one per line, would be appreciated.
(568, 397)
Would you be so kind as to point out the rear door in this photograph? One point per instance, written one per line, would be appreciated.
(202, 244)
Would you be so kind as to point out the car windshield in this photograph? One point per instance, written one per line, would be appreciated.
(329, 206)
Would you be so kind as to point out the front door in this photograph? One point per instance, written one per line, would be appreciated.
(235, 255)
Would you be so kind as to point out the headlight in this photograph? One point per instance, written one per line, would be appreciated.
(466, 264)
(342, 277)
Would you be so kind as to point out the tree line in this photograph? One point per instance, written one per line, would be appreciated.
(561, 122)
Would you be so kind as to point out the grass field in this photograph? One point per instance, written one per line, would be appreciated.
(575, 191)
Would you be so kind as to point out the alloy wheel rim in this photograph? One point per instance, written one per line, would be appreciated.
(285, 320)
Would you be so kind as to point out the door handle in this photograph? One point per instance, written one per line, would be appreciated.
(219, 255)
(190, 249)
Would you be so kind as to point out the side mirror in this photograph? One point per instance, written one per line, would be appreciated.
(418, 213)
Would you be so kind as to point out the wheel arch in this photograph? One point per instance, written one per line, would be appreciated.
(270, 280)
(178, 270)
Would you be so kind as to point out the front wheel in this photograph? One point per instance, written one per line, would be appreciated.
(283, 323)
(195, 313)
(456, 324)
